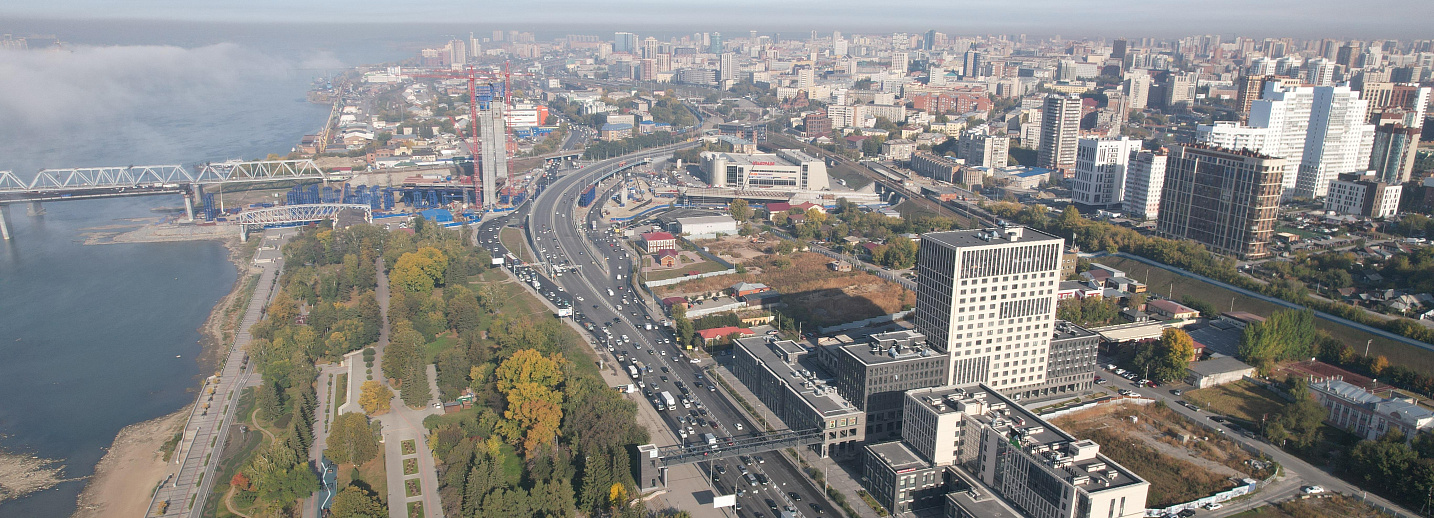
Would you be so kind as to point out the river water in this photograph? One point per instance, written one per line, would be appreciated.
(97, 337)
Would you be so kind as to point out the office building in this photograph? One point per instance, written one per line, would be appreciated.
(1363, 194)
(817, 125)
(987, 297)
(715, 46)
(1339, 140)
(931, 165)
(1100, 171)
(787, 169)
(971, 63)
(875, 374)
(749, 131)
(793, 386)
(1060, 128)
(981, 149)
(1225, 199)
(962, 443)
(1369, 415)
(1394, 152)
(1145, 177)
(1319, 72)
(1396, 103)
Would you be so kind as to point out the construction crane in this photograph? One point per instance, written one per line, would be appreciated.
(473, 75)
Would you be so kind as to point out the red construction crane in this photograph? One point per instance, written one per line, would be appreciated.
(473, 75)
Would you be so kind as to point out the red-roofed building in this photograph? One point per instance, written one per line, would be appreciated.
(654, 241)
(719, 332)
(1170, 309)
(667, 257)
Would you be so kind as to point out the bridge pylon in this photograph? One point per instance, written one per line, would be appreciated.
(35, 209)
(4, 224)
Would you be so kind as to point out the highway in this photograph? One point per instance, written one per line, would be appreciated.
(620, 323)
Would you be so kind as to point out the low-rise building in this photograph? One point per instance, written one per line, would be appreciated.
(795, 388)
(1170, 310)
(898, 149)
(1367, 415)
(654, 241)
(1217, 371)
(703, 227)
(1363, 194)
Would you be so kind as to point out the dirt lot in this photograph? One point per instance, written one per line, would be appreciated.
(1241, 400)
(736, 249)
(813, 293)
(1203, 464)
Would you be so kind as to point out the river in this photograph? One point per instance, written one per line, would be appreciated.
(97, 337)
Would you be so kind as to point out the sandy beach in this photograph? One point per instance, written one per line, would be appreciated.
(135, 453)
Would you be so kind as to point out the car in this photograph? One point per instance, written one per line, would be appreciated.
(816, 508)
(757, 458)
(1177, 392)
(772, 504)
(1187, 513)
(795, 496)
(1312, 490)
(737, 425)
(663, 378)
(1213, 506)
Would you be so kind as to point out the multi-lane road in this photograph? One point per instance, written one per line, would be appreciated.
(627, 331)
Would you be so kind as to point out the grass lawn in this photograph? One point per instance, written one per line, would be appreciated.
(409, 447)
(439, 344)
(1160, 281)
(1332, 505)
(372, 474)
(415, 510)
(1241, 400)
(410, 466)
(341, 391)
(683, 269)
(512, 240)
(412, 487)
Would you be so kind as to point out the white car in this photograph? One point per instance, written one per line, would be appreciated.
(1312, 490)
(738, 425)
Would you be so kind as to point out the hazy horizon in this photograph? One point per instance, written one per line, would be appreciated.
(1401, 19)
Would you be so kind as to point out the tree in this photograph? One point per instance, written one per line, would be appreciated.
(1176, 351)
(355, 502)
(740, 210)
(351, 440)
(418, 271)
(374, 398)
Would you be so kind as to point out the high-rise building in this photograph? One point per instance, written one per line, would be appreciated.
(624, 42)
(1227, 200)
(727, 68)
(1117, 49)
(971, 64)
(649, 48)
(1249, 88)
(1100, 171)
(988, 298)
(1137, 89)
(900, 62)
(1339, 140)
(716, 44)
(1319, 72)
(1285, 113)
(1394, 152)
(839, 48)
(1145, 177)
(1060, 128)
(981, 149)
(928, 41)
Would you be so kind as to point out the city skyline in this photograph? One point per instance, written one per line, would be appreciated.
(1277, 18)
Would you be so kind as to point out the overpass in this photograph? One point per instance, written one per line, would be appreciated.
(294, 214)
(100, 182)
(653, 461)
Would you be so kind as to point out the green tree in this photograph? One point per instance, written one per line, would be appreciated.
(351, 439)
(740, 210)
(355, 502)
(1176, 351)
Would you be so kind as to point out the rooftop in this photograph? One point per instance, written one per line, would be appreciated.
(1068, 331)
(989, 236)
(802, 375)
(1219, 365)
(897, 456)
(893, 346)
(1068, 457)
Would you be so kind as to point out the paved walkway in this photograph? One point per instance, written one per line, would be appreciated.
(191, 478)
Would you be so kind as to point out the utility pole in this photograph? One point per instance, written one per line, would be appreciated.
(1366, 346)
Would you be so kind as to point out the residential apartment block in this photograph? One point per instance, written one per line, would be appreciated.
(1226, 200)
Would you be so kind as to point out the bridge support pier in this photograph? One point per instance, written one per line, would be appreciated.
(243, 233)
(188, 208)
(4, 224)
(35, 209)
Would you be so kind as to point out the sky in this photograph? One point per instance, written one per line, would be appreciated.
(1368, 19)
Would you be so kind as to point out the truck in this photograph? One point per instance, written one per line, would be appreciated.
(594, 222)
(609, 292)
(632, 371)
(711, 440)
(667, 398)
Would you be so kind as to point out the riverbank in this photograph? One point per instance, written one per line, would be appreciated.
(126, 476)
(137, 454)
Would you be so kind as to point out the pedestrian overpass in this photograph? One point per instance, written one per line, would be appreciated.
(653, 461)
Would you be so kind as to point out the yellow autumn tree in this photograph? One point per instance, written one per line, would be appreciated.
(418, 271)
(374, 397)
